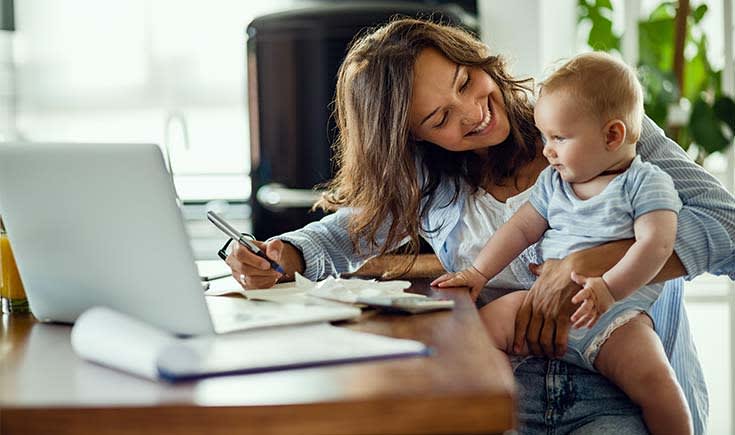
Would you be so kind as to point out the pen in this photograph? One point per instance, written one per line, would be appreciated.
(244, 241)
(214, 277)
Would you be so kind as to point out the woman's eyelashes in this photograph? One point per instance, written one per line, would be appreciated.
(466, 83)
(443, 121)
(462, 88)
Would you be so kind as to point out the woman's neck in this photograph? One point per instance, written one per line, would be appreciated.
(523, 179)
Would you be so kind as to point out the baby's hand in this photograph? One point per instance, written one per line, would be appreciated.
(469, 277)
(595, 298)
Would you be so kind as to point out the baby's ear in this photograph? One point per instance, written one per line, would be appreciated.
(615, 133)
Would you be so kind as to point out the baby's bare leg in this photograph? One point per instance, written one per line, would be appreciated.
(499, 317)
(634, 359)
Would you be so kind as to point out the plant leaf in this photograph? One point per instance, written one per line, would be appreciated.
(659, 92)
(656, 43)
(699, 12)
(696, 73)
(705, 128)
(583, 10)
(724, 109)
(663, 10)
(601, 36)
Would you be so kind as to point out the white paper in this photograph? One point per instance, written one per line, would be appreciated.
(113, 339)
(235, 314)
(331, 288)
(279, 348)
(116, 340)
(228, 286)
(350, 290)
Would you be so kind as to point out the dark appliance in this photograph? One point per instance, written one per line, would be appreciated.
(292, 61)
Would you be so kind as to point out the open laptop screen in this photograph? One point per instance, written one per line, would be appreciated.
(98, 224)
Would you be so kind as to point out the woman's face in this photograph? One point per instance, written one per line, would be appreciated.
(457, 107)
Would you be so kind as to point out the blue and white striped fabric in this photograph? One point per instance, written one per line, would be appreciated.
(705, 242)
(672, 326)
(576, 224)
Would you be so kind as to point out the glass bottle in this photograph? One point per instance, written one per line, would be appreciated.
(11, 287)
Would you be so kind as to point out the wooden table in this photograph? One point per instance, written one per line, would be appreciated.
(465, 387)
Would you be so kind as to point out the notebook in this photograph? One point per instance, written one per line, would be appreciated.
(99, 225)
(101, 333)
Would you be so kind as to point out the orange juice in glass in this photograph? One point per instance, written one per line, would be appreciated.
(11, 287)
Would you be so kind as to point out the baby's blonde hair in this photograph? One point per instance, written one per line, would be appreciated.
(601, 85)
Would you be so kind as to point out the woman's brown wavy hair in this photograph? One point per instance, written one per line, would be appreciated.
(377, 157)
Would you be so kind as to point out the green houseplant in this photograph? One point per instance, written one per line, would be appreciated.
(706, 116)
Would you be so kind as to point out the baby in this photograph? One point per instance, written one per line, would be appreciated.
(595, 190)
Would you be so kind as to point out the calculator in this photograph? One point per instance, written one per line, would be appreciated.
(407, 304)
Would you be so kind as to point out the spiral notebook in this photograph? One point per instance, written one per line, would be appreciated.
(100, 333)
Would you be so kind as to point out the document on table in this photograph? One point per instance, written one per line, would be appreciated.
(305, 291)
(116, 340)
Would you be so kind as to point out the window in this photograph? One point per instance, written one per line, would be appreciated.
(160, 71)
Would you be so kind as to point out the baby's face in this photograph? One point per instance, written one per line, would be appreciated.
(574, 141)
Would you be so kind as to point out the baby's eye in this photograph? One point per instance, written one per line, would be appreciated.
(558, 138)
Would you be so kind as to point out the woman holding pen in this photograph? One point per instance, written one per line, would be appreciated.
(437, 141)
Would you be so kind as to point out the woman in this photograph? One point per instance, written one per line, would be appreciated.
(436, 140)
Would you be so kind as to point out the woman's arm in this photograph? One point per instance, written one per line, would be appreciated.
(705, 239)
(327, 248)
(317, 250)
(546, 311)
(599, 259)
(426, 266)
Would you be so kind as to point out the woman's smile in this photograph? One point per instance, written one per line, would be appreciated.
(487, 124)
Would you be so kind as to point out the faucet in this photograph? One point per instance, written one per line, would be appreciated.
(175, 117)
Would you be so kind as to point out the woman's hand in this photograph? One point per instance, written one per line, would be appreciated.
(252, 271)
(544, 317)
(469, 277)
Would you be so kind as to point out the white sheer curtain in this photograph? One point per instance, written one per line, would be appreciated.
(92, 70)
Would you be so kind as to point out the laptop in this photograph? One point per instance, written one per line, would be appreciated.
(99, 225)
